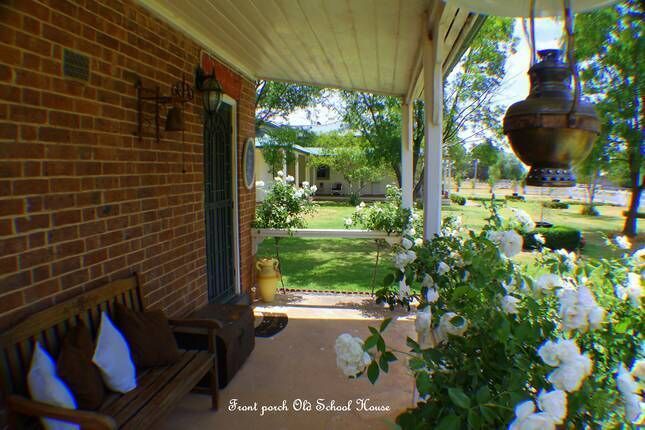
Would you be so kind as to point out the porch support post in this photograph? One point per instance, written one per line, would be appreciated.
(433, 98)
(407, 179)
(296, 170)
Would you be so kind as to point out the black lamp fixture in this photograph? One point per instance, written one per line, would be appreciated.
(211, 90)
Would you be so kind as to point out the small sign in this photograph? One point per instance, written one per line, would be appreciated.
(76, 65)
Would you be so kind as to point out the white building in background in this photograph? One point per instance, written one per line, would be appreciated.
(329, 182)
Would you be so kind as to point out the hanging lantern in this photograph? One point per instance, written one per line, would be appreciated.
(552, 129)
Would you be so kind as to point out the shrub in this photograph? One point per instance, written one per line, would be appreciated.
(589, 210)
(556, 237)
(485, 199)
(516, 197)
(555, 204)
(387, 216)
(457, 199)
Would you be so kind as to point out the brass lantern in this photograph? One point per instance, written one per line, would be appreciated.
(552, 129)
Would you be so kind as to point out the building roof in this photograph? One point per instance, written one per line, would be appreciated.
(259, 143)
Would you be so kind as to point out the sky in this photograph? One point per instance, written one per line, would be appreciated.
(514, 88)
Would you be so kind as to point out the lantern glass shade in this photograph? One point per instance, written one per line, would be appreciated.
(212, 95)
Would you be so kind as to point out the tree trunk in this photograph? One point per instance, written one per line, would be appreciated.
(631, 227)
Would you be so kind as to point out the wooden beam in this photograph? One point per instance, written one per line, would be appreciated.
(407, 155)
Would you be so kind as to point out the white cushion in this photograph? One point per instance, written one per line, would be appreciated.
(46, 387)
(112, 356)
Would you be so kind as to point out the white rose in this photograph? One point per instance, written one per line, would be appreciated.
(638, 370)
(290, 179)
(350, 357)
(554, 404)
(596, 317)
(404, 289)
(539, 238)
(509, 304)
(313, 188)
(639, 256)
(348, 221)
(539, 421)
(442, 268)
(634, 289)
(548, 352)
(422, 323)
(524, 219)
(432, 295)
(418, 241)
(406, 243)
(623, 242)
(447, 325)
(305, 184)
(547, 283)
(571, 374)
(427, 281)
(633, 407)
(280, 173)
(625, 381)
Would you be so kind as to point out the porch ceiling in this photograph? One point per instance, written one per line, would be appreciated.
(369, 45)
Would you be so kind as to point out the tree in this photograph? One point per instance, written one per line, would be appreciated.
(611, 48)
(278, 99)
(346, 154)
(591, 168)
(469, 109)
(277, 148)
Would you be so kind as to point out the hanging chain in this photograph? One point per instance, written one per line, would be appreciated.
(571, 59)
(532, 32)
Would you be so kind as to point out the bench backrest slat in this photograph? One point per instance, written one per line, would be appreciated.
(50, 326)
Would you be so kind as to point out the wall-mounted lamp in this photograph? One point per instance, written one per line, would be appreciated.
(181, 93)
(211, 90)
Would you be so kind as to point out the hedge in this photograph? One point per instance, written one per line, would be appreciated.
(555, 205)
(456, 198)
(556, 237)
(516, 198)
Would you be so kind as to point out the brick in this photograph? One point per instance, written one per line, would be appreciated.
(14, 281)
(41, 290)
(50, 134)
(33, 222)
(12, 207)
(30, 186)
(8, 264)
(8, 92)
(66, 217)
(21, 113)
(10, 301)
(35, 258)
(65, 266)
(61, 234)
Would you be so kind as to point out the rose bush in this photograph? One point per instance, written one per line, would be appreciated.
(499, 348)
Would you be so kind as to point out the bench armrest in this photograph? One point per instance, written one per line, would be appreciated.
(86, 419)
(195, 323)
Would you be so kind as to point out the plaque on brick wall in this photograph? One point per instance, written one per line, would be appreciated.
(76, 65)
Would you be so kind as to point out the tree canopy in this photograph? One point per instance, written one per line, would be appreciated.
(610, 48)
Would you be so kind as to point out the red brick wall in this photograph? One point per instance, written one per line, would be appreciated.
(82, 200)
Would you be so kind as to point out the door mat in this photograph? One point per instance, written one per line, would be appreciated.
(271, 324)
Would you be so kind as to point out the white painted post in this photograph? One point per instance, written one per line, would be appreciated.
(296, 170)
(407, 179)
(433, 98)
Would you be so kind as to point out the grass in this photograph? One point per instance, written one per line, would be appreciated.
(347, 265)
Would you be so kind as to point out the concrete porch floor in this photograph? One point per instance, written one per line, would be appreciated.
(299, 363)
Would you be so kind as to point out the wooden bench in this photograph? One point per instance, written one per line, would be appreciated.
(158, 389)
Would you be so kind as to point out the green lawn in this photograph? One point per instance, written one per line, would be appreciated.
(347, 265)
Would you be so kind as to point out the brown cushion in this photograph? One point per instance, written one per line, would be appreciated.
(76, 369)
(149, 336)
